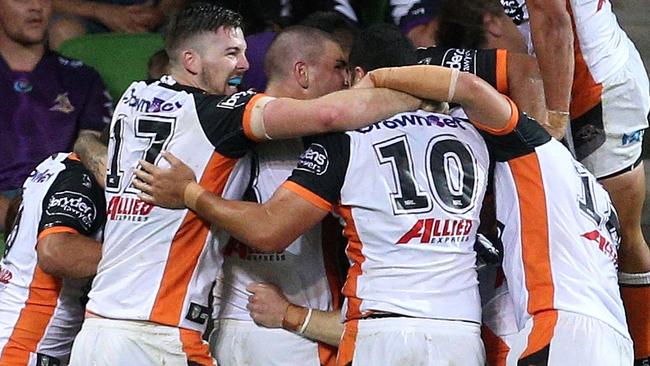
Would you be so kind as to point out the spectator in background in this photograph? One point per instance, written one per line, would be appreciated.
(417, 19)
(47, 99)
(75, 18)
(158, 65)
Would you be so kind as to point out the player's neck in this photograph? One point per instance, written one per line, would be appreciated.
(20, 57)
(280, 89)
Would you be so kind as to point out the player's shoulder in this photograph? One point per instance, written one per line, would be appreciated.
(233, 101)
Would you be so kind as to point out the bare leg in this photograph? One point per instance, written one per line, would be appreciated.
(628, 193)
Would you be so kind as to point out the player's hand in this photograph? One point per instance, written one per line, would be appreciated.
(556, 123)
(267, 304)
(163, 186)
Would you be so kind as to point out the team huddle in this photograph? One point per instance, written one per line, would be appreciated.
(203, 202)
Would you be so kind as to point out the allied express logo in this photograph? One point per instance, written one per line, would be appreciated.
(434, 231)
(128, 209)
(5, 276)
(603, 244)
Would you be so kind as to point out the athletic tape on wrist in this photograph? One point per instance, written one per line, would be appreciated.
(303, 327)
(191, 195)
(557, 122)
(452, 84)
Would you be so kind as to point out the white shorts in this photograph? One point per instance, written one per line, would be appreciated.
(499, 325)
(411, 341)
(242, 342)
(575, 339)
(623, 115)
(109, 342)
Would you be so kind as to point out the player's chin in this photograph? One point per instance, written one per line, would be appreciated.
(230, 90)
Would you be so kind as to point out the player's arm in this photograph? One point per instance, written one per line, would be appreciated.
(526, 89)
(552, 35)
(480, 101)
(92, 152)
(68, 254)
(339, 111)
(270, 308)
(73, 209)
(269, 227)
(4, 209)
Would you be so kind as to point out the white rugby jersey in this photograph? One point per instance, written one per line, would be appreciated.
(410, 190)
(299, 270)
(158, 264)
(558, 227)
(601, 46)
(41, 314)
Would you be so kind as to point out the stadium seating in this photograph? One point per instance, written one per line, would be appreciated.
(119, 58)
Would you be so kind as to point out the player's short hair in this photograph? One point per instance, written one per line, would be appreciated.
(195, 19)
(381, 45)
(334, 23)
(460, 23)
(330, 22)
(295, 41)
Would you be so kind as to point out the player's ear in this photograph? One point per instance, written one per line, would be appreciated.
(493, 25)
(301, 74)
(191, 61)
(357, 74)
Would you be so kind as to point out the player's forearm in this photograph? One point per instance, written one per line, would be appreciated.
(68, 255)
(340, 111)
(325, 326)
(249, 222)
(525, 85)
(92, 154)
(552, 35)
(368, 106)
(480, 101)
(322, 326)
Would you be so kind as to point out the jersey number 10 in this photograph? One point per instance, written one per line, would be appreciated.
(450, 169)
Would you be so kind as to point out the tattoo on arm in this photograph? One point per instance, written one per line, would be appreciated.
(92, 154)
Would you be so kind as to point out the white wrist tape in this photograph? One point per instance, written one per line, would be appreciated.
(303, 327)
